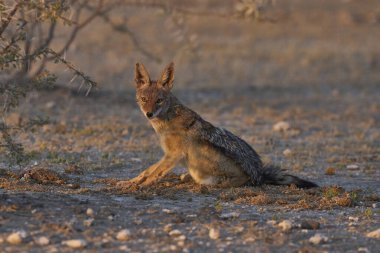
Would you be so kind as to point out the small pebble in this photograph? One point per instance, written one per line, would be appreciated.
(352, 166)
(168, 228)
(123, 235)
(42, 241)
(90, 212)
(355, 219)
(214, 233)
(309, 224)
(181, 238)
(281, 126)
(175, 233)
(375, 205)
(287, 152)
(16, 237)
(75, 243)
(181, 243)
(285, 225)
(374, 234)
(271, 222)
(364, 250)
(318, 238)
(168, 211)
(230, 215)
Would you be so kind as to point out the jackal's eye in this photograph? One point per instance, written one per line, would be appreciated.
(143, 99)
(159, 101)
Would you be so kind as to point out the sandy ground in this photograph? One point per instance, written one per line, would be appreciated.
(317, 68)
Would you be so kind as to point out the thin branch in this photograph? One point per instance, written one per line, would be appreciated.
(126, 30)
(78, 27)
(5, 23)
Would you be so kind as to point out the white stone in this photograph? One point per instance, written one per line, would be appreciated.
(287, 152)
(123, 235)
(374, 234)
(285, 225)
(352, 166)
(42, 241)
(355, 219)
(317, 239)
(90, 212)
(168, 211)
(230, 215)
(214, 233)
(75, 243)
(363, 249)
(15, 238)
(175, 232)
(281, 126)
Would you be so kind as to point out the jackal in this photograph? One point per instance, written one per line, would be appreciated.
(213, 156)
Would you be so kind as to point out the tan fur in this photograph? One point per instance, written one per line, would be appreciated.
(180, 132)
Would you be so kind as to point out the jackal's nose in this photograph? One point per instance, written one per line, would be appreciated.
(149, 114)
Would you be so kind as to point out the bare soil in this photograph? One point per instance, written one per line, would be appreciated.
(317, 67)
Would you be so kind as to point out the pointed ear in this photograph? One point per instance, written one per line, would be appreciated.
(167, 77)
(141, 75)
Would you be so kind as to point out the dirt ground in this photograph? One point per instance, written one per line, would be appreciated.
(316, 67)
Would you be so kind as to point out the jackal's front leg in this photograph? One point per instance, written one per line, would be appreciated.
(154, 172)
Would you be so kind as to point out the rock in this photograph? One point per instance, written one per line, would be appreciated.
(318, 238)
(167, 211)
(374, 234)
(281, 126)
(16, 237)
(42, 241)
(50, 105)
(364, 250)
(352, 167)
(90, 212)
(168, 228)
(354, 219)
(136, 159)
(181, 238)
(309, 224)
(175, 233)
(75, 243)
(285, 225)
(271, 222)
(287, 152)
(214, 233)
(375, 205)
(229, 215)
(123, 235)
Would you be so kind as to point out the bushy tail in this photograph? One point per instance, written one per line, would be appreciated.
(276, 176)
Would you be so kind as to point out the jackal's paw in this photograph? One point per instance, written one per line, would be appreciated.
(125, 184)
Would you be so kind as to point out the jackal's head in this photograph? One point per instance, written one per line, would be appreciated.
(153, 96)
